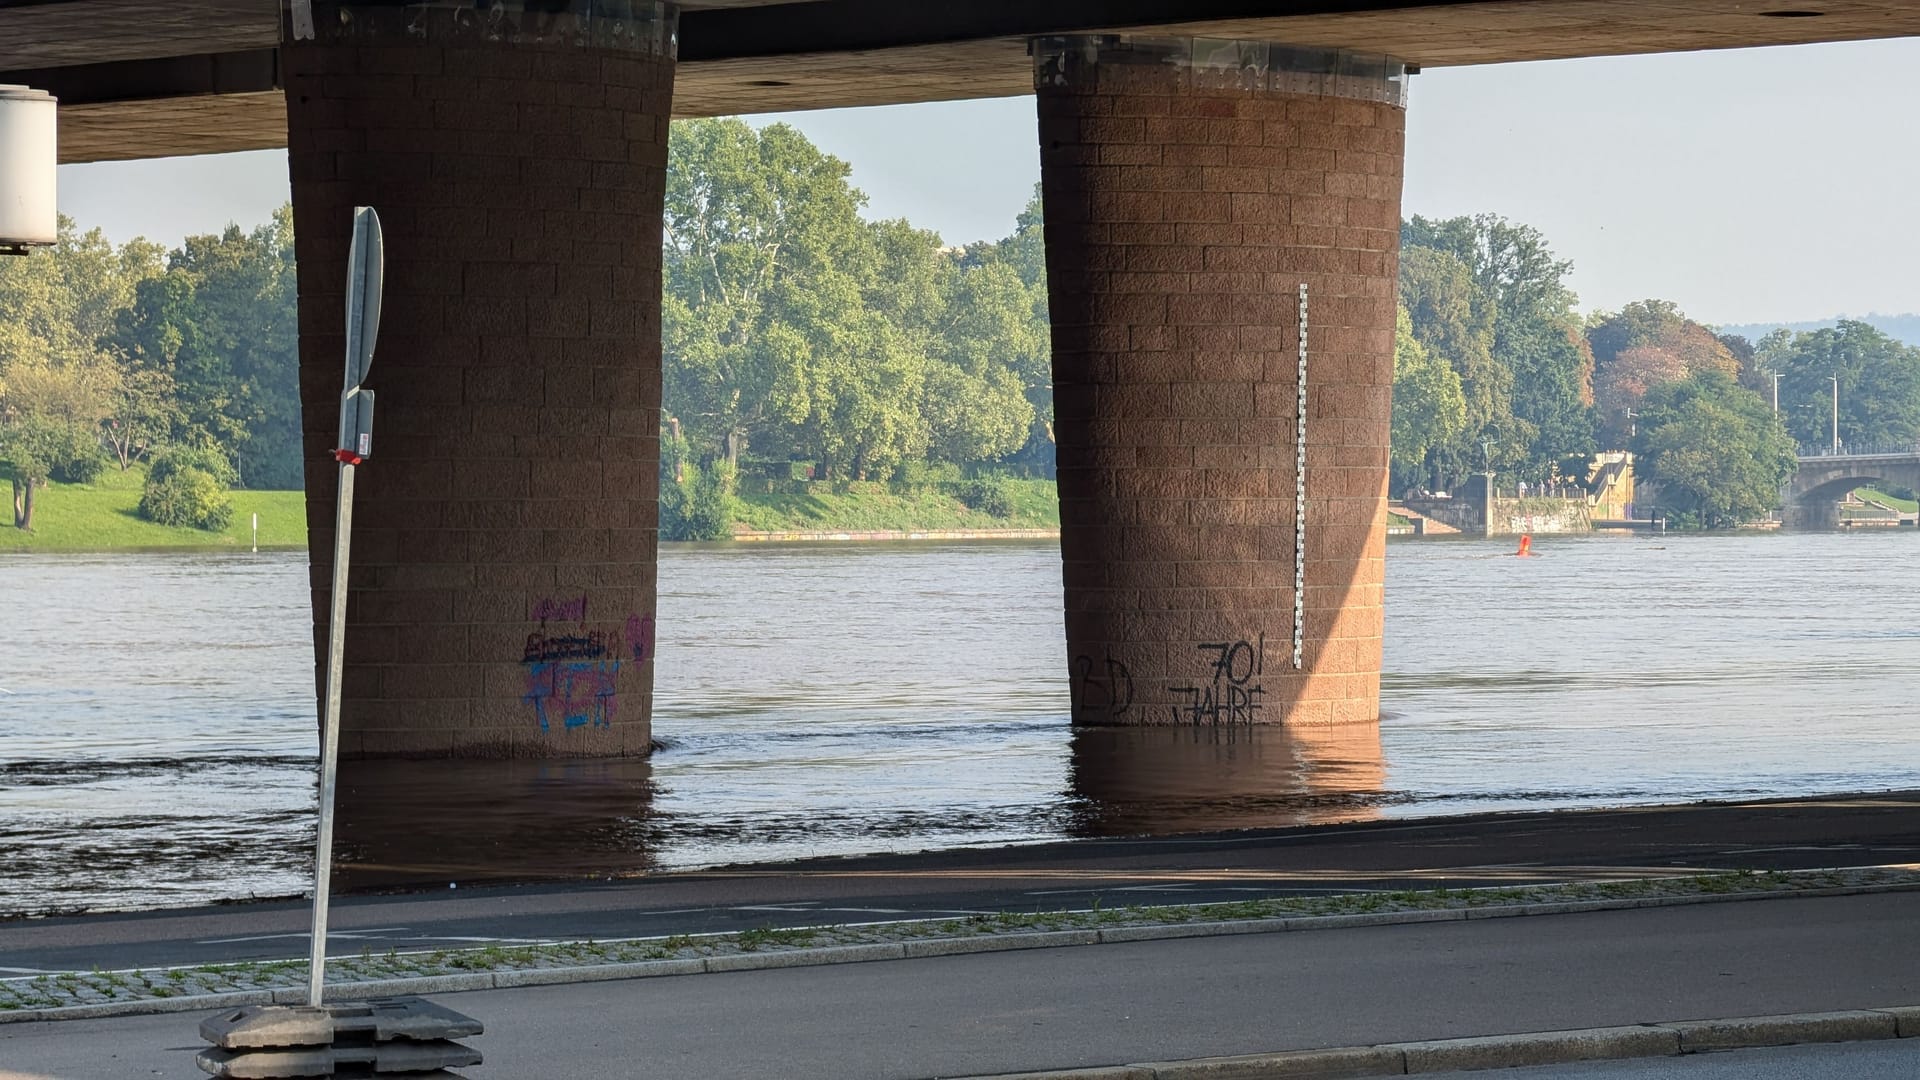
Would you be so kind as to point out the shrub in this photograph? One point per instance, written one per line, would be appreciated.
(206, 459)
(84, 467)
(187, 497)
(710, 502)
(696, 502)
(988, 495)
(921, 475)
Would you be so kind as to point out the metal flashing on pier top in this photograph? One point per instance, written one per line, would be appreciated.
(1226, 64)
(649, 27)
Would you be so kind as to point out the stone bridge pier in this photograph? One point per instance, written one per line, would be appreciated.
(1193, 189)
(1812, 498)
(1223, 540)
(502, 586)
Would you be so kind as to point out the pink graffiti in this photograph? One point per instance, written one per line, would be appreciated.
(573, 609)
(640, 636)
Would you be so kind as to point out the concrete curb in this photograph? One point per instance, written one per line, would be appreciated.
(1513, 1051)
(1907, 1021)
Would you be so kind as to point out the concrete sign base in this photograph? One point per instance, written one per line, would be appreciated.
(397, 1035)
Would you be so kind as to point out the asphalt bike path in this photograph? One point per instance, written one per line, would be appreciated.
(1147, 1001)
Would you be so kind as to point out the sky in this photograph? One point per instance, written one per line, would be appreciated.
(1758, 185)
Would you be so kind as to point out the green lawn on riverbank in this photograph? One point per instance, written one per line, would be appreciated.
(102, 516)
(1035, 506)
(1905, 506)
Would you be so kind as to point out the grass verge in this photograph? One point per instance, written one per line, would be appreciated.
(1034, 502)
(105, 987)
(1905, 506)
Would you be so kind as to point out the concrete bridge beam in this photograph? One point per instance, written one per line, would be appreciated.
(1191, 188)
(502, 588)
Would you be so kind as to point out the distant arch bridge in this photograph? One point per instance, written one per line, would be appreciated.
(1812, 497)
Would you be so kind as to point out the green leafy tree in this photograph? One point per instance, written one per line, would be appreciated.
(1429, 407)
(1019, 322)
(1453, 322)
(1538, 398)
(765, 255)
(1879, 385)
(1712, 450)
(989, 356)
(696, 501)
(222, 324)
(57, 304)
(863, 389)
(49, 417)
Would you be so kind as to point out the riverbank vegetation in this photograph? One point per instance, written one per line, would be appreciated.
(105, 516)
(824, 370)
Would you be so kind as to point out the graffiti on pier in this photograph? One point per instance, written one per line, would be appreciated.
(575, 693)
(573, 672)
(1233, 695)
(587, 646)
(571, 609)
(1110, 690)
(639, 634)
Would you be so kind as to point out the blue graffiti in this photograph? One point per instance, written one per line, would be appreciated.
(577, 692)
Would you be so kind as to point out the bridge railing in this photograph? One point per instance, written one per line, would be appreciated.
(1894, 449)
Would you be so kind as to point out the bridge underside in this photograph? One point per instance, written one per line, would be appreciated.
(1222, 472)
(150, 78)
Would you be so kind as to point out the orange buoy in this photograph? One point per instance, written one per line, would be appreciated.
(1526, 546)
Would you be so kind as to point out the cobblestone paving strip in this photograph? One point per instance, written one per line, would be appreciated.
(28, 997)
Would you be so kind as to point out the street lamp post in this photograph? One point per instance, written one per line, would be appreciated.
(1486, 451)
(1776, 395)
(1835, 380)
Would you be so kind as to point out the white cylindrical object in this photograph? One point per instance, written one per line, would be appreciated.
(29, 155)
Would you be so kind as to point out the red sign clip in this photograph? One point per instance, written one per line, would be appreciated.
(347, 457)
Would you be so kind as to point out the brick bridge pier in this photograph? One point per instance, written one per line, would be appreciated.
(1196, 191)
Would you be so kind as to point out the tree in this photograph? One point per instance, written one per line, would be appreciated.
(862, 390)
(1714, 450)
(1538, 393)
(1023, 339)
(1552, 390)
(221, 323)
(1656, 342)
(1879, 384)
(765, 253)
(145, 413)
(1453, 323)
(988, 359)
(1623, 383)
(57, 304)
(48, 420)
(1428, 405)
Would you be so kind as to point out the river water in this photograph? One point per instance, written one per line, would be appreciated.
(156, 740)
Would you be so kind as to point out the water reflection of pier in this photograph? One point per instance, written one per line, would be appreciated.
(416, 823)
(1161, 780)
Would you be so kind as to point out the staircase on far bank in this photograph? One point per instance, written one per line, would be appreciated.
(1423, 525)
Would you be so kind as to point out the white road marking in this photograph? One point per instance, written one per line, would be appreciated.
(276, 937)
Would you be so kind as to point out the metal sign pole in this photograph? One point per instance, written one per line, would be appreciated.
(330, 731)
(365, 265)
